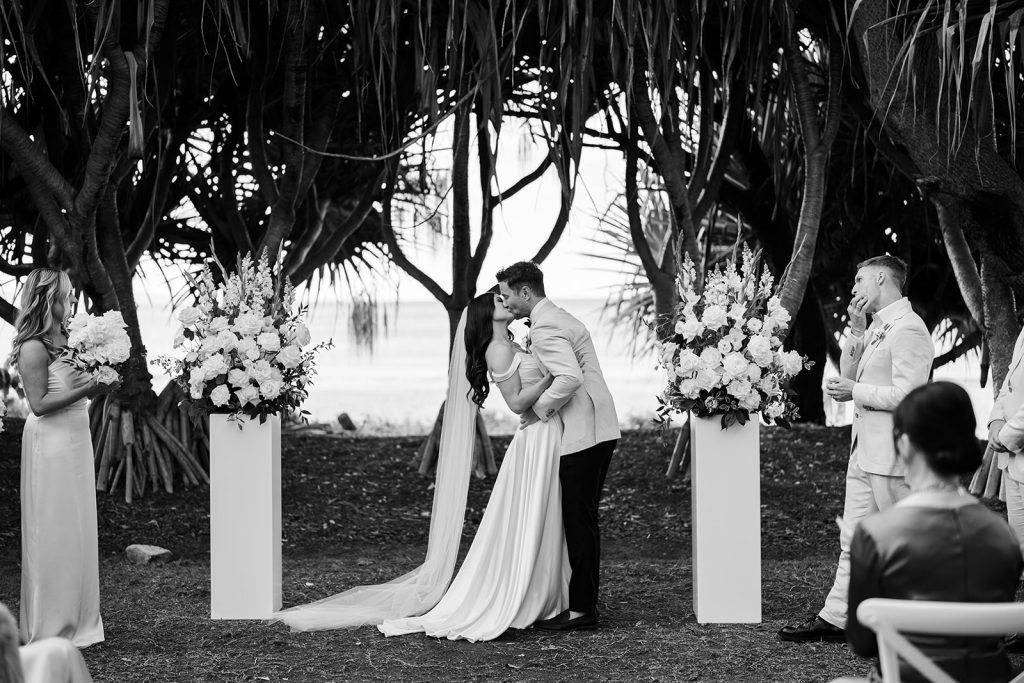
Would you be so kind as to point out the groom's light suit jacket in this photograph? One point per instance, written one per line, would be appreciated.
(1009, 406)
(578, 394)
(892, 357)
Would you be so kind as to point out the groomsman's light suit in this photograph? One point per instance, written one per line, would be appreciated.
(590, 428)
(1009, 406)
(892, 357)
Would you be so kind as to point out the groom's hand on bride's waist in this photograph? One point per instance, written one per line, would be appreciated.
(528, 418)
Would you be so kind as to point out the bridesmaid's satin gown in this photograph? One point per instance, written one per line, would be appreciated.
(60, 584)
(516, 571)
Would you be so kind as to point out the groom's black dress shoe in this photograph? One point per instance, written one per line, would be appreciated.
(814, 630)
(562, 622)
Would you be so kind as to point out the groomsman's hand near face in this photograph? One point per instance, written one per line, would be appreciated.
(993, 437)
(840, 389)
(857, 312)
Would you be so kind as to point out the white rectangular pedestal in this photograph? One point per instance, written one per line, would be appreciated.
(726, 504)
(245, 518)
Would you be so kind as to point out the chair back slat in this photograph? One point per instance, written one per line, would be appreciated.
(888, 618)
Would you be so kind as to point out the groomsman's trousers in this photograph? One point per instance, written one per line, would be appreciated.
(582, 477)
(1015, 505)
(866, 493)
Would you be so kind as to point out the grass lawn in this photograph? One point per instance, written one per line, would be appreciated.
(354, 513)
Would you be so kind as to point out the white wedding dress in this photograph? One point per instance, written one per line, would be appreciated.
(516, 571)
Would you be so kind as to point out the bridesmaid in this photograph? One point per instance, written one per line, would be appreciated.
(60, 587)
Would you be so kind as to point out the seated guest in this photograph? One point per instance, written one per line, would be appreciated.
(47, 660)
(939, 543)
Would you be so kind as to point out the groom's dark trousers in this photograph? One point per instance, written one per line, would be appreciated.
(582, 477)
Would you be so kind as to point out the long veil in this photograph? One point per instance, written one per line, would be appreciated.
(414, 593)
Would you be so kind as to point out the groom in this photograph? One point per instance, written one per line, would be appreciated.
(590, 429)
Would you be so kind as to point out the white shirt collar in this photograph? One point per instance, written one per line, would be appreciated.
(896, 309)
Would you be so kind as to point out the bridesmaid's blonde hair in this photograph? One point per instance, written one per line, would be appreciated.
(10, 660)
(44, 287)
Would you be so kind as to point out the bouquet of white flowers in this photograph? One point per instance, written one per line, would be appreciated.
(725, 356)
(99, 345)
(244, 345)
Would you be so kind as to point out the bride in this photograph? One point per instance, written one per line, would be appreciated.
(516, 571)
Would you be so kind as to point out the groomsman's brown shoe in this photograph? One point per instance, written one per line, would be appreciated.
(814, 630)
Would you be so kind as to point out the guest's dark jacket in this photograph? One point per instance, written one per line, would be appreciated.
(918, 551)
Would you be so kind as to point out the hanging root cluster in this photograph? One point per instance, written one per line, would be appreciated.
(136, 448)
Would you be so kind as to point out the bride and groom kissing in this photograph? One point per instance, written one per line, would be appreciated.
(535, 559)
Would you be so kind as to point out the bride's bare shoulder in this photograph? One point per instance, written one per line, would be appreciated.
(499, 356)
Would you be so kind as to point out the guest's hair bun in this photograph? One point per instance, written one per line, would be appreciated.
(939, 419)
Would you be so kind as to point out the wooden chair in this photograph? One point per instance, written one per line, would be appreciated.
(888, 618)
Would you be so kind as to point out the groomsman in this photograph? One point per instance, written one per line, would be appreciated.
(1006, 437)
(880, 365)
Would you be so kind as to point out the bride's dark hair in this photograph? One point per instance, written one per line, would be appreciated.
(479, 332)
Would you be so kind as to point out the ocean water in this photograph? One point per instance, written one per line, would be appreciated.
(398, 387)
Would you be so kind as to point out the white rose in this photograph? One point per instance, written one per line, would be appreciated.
(219, 324)
(246, 348)
(738, 388)
(774, 409)
(260, 370)
(735, 365)
(769, 384)
(196, 390)
(238, 377)
(290, 357)
(196, 376)
(227, 340)
(300, 335)
(269, 341)
(248, 394)
(737, 336)
(710, 357)
(191, 357)
(760, 350)
(724, 346)
(690, 328)
(688, 362)
(106, 375)
(753, 372)
(270, 388)
(751, 401)
(791, 362)
(714, 317)
(220, 395)
(189, 316)
(689, 388)
(248, 325)
(118, 350)
(213, 366)
(754, 325)
(706, 379)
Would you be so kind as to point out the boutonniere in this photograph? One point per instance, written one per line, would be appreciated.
(878, 335)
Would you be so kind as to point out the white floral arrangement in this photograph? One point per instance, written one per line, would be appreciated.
(98, 345)
(246, 349)
(725, 355)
